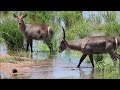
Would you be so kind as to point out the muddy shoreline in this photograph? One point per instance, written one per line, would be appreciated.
(23, 67)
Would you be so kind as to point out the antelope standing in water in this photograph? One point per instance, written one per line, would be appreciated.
(92, 45)
(35, 31)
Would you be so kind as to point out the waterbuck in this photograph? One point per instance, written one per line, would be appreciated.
(92, 45)
(35, 31)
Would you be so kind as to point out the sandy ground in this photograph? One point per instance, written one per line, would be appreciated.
(23, 66)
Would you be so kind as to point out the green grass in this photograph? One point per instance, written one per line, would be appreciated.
(111, 73)
(107, 70)
(14, 59)
(19, 56)
(43, 46)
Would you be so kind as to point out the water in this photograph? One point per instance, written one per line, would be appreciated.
(61, 70)
(3, 48)
(3, 75)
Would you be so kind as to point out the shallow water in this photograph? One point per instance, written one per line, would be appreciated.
(3, 49)
(61, 71)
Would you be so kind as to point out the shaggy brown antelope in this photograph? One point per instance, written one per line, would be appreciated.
(92, 45)
(35, 31)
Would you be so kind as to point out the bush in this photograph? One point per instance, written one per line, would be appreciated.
(112, 28)
(80, 30)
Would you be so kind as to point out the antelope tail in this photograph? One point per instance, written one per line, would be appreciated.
(50, 32)
(117, 42)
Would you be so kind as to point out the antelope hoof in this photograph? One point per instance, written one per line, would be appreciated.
(93, 67)
(78, 66)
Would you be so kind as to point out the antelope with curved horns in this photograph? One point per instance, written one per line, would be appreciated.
(35, 31)
(92, 45)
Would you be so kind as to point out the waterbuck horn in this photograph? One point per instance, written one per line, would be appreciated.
(24, 15)
(15, 15)
(63, 33)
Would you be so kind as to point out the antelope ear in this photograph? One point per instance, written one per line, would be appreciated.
(14, 15)
(24, 16)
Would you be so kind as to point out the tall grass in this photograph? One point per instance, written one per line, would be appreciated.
(11, 35)
(111, 26)
(39, 17)
(109, 16)
(71, 17)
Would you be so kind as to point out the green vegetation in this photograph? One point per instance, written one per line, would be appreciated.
(106, 70)
(112, 29)
(11, 35)
(14, 59)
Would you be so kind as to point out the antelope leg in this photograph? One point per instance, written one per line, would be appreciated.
(82, 58)
(91, 59)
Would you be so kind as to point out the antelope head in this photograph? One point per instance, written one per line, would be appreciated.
(20, 18)
(63, 44)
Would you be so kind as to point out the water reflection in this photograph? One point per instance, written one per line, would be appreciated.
(87, 73)
(42, 70)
